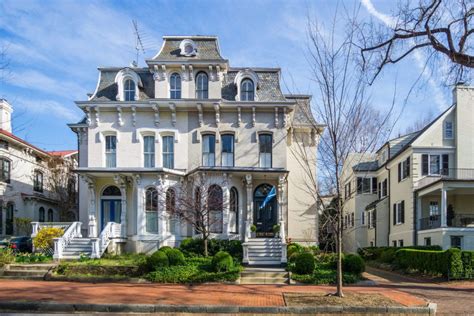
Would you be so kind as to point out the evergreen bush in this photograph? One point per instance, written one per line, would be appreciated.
(175, 257)
(304, 263)
(157, 260)
(353, 264)
(222, 262)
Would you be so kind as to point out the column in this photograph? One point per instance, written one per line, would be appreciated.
(141, 219)
(419, 213)
(226, 204)
(92, 208)
(121, 181)
(249, 220)
(444, 207)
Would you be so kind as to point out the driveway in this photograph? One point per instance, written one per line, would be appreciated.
(452, 298)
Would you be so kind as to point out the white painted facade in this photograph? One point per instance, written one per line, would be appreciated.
(219, 111)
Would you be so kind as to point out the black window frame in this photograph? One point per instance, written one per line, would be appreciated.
(38, 181)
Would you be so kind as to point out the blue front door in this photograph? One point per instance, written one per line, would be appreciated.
(111, 211)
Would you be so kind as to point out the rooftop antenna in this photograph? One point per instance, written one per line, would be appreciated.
(138, 43)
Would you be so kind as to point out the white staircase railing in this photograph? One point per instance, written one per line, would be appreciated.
(37, 226)
(283, 242)
(99, 245)
(73, 231)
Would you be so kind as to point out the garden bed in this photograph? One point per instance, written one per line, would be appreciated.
(349, 299)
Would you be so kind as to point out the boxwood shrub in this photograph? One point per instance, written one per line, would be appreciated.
(305, 263)
(157, 260)
(222, 262)
(175, 257)
(353, 264)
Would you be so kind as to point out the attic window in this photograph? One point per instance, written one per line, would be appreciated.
(188, 48)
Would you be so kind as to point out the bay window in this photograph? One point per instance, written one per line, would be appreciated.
(434, 164)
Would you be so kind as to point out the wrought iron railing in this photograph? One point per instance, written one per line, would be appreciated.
(456, 220)
(448, 174)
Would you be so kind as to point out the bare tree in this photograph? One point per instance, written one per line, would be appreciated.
(343, 106)
(61, 182)
(420, 123)
(200, 202)
(442, 29)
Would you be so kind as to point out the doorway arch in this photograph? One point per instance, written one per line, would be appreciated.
(110, 206)
(264, 217)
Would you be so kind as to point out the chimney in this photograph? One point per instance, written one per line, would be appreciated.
(463, 123)
(5, 115)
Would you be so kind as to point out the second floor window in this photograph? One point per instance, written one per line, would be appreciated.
(175, 86)
(168, 152)
(129, 90)
(434, 165)
(110, 151)
(202, 86)
(149, 151)
(227, 150)
(404, 169)
(265, 149)
(209, 150)
(366, 185)
(5, 170)
(399, 213)
(38, 181)
(247, 90)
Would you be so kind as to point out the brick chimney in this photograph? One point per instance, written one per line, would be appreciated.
(6, 111)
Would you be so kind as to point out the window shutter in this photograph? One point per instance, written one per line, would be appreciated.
(402, 212)
(374, 185)
(359, 185)
(445, 170)
(380, 190)
(408, 167)
(399, 171)
(424, 164)
(394, 213)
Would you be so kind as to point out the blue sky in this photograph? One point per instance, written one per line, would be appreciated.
(55, 48)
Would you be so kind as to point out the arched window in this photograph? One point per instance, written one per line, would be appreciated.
(247, 90)
(215, 212)
(151, 210)
(129, 90)
(42, 215)
(234, 210)
(202, 86)
(175, 86)
(50, 215)
(5, 170)
(38, 181)
(111, 190)
(171, 210)
(9, 219)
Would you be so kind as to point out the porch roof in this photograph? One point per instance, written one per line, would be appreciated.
(444, 183)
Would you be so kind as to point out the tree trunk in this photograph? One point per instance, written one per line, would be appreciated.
(205, 248)
(339, 251)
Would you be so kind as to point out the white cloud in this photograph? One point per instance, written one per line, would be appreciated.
(46, 107)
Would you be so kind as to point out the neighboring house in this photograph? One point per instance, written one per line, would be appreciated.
(147, 130)
(417, 189)
(25, 190)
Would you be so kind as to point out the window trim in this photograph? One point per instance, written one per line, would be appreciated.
(152, 153)
(202, 90)
(202, 149)
(38, 182)
(120, 79)
(445, 129)
(260, 152)
(175, 89)
(163, 153)
(9, 172)
(222, 149)
(247, 92)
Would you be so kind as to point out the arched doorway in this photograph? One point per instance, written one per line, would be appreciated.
(111, 206)
(9, 219)
(264, 216)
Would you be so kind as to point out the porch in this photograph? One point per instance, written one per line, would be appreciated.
(445, 214)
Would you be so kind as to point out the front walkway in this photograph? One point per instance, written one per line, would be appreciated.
(207, 294)
(453, 298)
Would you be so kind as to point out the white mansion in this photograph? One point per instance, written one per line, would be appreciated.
(147, 130)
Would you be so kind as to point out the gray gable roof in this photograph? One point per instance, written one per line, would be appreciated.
(268, 85)
(107, 89)
(207, 48)
(366, 166)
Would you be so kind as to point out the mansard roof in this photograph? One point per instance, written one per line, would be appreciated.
(207, 48)
(268, 88)
(303, 115)
(107, 89)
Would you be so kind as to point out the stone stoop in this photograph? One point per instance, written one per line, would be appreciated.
(27, 271)
(264, 275)
(264, 251)
(76, 247)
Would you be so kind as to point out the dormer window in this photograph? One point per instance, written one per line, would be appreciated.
(188, 48)
(129, 90)
(202, 86)
(127, 82)
(175, 86)
(247, 90)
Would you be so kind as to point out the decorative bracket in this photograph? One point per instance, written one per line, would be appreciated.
(218, 115)
(253, 116)
(173, 113)
(156, 109)
(134, 115)
(199, 108)
(276, 117)
(97, 115)
(88, 116)
(119, 116)
(239, 116)
(285, 117)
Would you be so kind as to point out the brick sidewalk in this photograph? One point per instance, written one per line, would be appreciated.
(207, 294)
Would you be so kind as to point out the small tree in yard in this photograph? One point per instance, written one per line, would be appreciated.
(200, 202)
(61, 182)
(343, 106)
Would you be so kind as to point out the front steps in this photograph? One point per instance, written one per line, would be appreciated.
(264, 251)
(76, 248)
(264, 275)
(27, 271)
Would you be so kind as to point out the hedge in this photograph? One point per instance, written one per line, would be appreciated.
(452, 263)
(387, 254)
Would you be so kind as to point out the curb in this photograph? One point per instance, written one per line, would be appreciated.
(211, 309)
